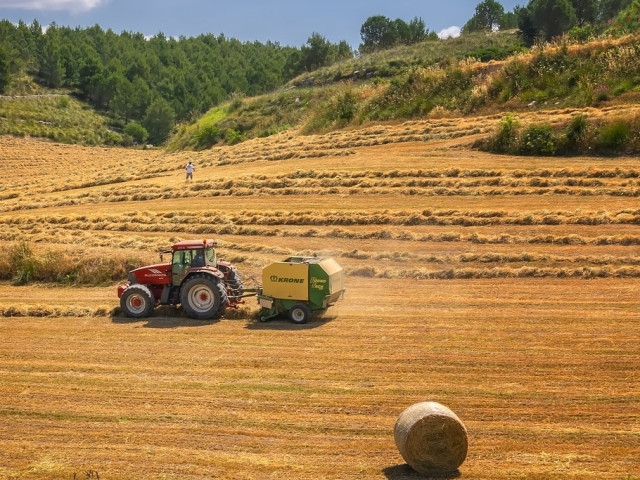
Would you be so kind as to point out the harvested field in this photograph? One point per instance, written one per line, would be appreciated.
(504, 288)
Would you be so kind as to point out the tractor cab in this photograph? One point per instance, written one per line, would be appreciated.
(191, 254)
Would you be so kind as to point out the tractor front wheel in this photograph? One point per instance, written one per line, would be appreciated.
(300, 313)
(137, 302)
(203, 298)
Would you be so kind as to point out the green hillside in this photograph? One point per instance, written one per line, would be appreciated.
(602, 73)
(329, 97)
(35, 111)
(95, 87)
(431, 79)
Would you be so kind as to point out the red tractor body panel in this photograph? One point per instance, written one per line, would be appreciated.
(157, 277)
(154, 277)
(159, 274)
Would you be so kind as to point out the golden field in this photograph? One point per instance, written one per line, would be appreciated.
(502, 287)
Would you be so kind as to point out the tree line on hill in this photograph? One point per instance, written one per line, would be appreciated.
(147, 84)
(153, 81)
(544, 20)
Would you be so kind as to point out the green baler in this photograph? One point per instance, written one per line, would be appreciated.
(298, 286)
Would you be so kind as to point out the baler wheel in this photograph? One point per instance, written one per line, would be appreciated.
(203, 298)
(300, 313)
(137, 302)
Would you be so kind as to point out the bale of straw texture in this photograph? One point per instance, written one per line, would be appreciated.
(431, 438)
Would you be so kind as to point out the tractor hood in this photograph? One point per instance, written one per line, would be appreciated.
(159, 274)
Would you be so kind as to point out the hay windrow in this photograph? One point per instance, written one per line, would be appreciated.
(154, 222)
(52, 311)
(457, 273)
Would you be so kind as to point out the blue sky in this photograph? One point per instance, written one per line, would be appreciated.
(288, 22)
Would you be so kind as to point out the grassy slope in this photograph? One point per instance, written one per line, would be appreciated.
(31, 110)
(395, 61)
(308, 95)
(311, 94)
(441, 79)
(58, 117)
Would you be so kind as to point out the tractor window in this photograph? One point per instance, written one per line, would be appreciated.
(188, 258)
(198, 258)
(211, 256)
(180, 264)
(182, 258)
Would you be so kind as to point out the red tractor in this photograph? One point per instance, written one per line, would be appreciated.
(203, 285)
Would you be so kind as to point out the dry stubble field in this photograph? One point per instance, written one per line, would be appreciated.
(504, 288)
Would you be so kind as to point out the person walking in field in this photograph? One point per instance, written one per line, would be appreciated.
(190, 169)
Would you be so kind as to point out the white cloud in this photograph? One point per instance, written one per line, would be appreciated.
(451, 32)
(69, 5)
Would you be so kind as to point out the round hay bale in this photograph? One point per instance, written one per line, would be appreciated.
(431, 438)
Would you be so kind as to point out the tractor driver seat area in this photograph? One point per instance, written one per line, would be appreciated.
(183, 260)
(198, 258)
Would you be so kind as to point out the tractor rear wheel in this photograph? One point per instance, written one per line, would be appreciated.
(136, 301)
(203, 297)
(300, 313)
